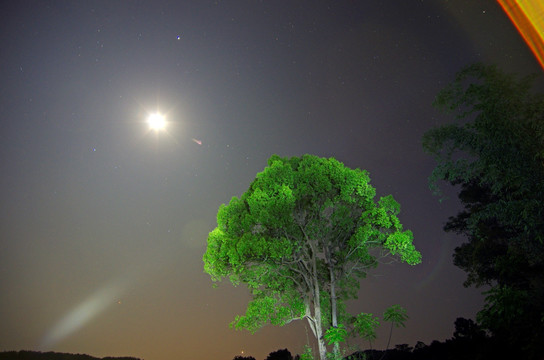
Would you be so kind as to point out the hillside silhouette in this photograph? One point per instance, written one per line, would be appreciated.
(37, 355)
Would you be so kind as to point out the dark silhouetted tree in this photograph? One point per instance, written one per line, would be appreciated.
(468, 329)
(495, 153)
(240, 357)
(301, 238)
(37, 355)
(283, 354)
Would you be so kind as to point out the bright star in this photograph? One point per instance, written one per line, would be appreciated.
(156, 121)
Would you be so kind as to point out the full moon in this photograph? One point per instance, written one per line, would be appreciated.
(156, 121)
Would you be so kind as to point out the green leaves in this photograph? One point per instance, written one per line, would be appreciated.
(336, 334)
(365, 325)
(401, 243)
(274, 309)
(305, 227)
(307, 354)
(396, 315)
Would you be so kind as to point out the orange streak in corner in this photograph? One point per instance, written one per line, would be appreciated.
(528, 17)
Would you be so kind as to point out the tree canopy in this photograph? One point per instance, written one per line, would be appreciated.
(301, 237)
(495, 152)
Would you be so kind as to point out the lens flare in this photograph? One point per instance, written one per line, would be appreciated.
(84, 312)
(528, 17)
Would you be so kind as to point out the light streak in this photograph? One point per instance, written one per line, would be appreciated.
(528, 17)
(85, 312)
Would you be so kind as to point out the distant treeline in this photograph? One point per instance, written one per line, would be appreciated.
(469, 341)
(37, 355)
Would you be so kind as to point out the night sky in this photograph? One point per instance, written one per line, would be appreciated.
(104, 223)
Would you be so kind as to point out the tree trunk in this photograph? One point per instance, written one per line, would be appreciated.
(319, 331)
(317, 310)
(388, 341)
(334, 317)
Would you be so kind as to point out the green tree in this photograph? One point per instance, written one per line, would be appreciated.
(396, 315)
(301, 237)
(365, 326)
(495, 152)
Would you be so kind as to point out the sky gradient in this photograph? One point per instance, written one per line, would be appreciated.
(103, 222)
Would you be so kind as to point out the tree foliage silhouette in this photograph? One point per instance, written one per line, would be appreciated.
(282, 354)
(50, 355)
(240, 357)
(301, 237)
(495, 153)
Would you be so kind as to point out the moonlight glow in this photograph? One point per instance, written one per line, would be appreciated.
(156, 122)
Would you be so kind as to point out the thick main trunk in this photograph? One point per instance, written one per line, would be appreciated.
(315, 322)
(317, 309)
(319, 331)
(334, 317)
